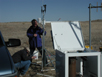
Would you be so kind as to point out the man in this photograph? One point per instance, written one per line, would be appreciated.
(34, 34)
(22, 60)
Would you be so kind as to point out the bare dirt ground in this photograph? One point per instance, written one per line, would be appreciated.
(18, 30)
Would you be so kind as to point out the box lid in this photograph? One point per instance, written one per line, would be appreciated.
(67, 36)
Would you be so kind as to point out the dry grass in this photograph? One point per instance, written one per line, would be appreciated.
(18, 30)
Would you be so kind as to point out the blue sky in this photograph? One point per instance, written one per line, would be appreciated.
(67, 10)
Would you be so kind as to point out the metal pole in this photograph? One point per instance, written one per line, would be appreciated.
(90, 25)
(43, 40)
(43, 33)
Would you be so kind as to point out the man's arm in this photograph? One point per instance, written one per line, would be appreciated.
(29, 33)
(25, 57)
(41, 31)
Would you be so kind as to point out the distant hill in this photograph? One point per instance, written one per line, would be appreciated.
(98, 20)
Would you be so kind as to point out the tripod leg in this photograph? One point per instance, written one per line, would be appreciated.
(50, 59)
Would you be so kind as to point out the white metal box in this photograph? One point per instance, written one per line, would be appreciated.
(67, 40)
(67, 36)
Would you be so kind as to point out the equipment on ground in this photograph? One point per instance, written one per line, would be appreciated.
(72, 58)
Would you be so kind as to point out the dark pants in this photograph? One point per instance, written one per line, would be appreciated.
(40, 50)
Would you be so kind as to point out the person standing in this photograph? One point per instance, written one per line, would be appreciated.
(34, 33)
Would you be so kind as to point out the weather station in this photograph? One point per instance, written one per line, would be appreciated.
(72, 58)
(43, 11)
(45, 52)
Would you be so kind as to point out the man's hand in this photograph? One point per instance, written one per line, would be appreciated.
(35, 35)
(33, 57)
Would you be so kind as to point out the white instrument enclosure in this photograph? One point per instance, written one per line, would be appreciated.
(67, 36)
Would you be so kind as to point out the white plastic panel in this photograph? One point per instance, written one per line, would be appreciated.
(67, 36)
